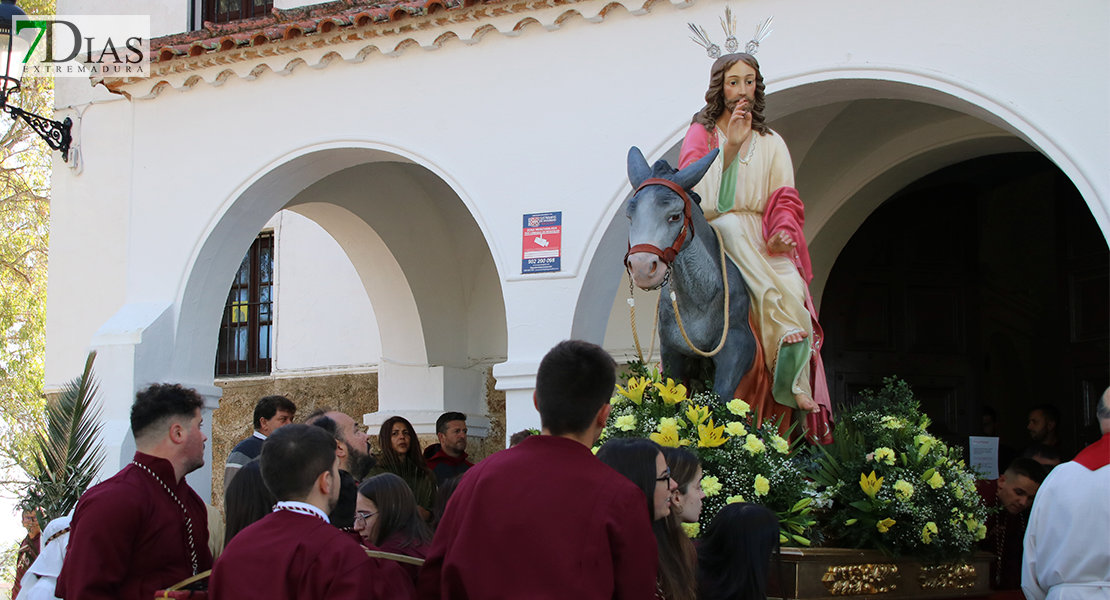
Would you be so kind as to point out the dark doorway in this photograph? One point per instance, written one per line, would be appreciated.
(986, 283)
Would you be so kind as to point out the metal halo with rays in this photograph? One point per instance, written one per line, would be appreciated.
(732, 45)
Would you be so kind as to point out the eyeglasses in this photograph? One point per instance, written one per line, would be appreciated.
(362, 516)
(664, 477)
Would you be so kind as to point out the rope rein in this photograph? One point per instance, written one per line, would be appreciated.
(678, 317)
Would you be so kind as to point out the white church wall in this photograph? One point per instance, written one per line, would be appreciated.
(323, 318)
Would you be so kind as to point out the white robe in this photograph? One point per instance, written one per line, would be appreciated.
(1067, 543)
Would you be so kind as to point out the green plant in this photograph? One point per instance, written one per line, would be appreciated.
(742, 461)
(894, 487)
(67, 455)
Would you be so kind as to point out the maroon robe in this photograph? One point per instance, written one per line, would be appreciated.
(289, 555)
(415, 550)
(128, 537)
(1005, 535)
(544, 519)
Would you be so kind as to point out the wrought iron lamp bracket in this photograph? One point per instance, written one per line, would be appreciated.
(56, 134)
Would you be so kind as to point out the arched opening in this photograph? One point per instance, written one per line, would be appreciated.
(418, 256)
(986, 283)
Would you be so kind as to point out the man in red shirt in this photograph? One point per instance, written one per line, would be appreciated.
(546, 519)
(144, 529)
(451, 458)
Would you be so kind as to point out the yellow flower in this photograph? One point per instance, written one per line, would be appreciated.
(615, 400)
(668, 435)
(635, 391)
(697, 414)
(936, 481)
(762, 485)
(711, 486)
(972, 525)
(667, 422)
(626, 422)
(780, 445)
(928, 531)
(981, 533)
(670, 393)
(903, 489)
(891, 422)
(736, 429)
(753, 445)
(958, 491)
(869, 484)
(734, 499)
(924, 444)
(884, 525)
(710, 436)
(739, 407)
(595, 449)
(692, 529)
(884, 455)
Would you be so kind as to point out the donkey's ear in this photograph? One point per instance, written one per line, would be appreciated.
(638, 169)
(692, 174)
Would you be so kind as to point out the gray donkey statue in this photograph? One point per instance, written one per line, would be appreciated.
(672, 247)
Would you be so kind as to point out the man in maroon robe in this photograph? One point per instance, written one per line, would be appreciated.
(546, 519)
(1012, 492)
(144, 529)
(295, 552)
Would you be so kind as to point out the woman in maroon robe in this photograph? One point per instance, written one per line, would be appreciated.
(386, 517)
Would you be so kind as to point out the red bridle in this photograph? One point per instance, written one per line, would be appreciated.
(668, 255)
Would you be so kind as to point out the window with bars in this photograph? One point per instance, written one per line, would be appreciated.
(225, 11)
(244, 345)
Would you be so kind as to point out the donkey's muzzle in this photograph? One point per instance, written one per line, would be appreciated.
(646, 269)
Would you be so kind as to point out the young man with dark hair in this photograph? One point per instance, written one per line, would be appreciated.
(144, 529)
(302, 554)
(451, 458)
(1013, 492)
(270, 413)
(355, 460)
(1044, 425)
(546, 517)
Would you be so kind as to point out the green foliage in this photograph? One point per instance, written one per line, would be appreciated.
(894, 487)
(68, 453)
(25, 162)
(741, 462)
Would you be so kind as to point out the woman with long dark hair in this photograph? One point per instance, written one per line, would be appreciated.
(401, 456)
(642, 462)
(735, 554)
(247, 500)
(386, 516)
(686, 472)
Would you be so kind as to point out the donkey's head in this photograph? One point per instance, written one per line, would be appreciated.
(660, 215)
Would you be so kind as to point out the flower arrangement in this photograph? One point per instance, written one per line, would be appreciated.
(742, 461)
(894, 487)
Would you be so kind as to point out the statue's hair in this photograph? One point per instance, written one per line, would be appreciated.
(715, 95)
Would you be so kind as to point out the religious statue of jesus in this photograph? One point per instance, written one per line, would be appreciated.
(748, 195)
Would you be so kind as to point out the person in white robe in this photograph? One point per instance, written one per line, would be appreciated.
(1067, 543)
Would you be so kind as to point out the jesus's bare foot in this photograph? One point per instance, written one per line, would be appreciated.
(805, 402)
(794, 338)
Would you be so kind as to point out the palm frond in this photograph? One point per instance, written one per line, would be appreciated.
(68, 454)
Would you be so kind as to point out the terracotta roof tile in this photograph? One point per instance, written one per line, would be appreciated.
(286, 24)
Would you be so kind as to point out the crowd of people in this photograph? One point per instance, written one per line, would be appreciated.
(309, 506)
